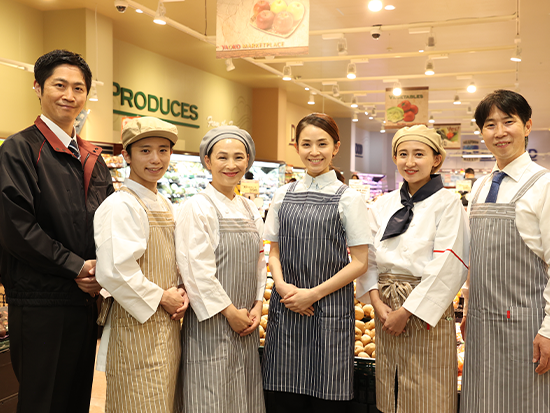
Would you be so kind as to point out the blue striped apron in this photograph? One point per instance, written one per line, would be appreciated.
(311, 355)
(505, 311)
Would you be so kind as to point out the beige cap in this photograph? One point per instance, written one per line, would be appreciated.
(148, 127)
(419, 133)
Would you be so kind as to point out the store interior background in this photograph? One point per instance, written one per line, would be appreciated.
(475, 38)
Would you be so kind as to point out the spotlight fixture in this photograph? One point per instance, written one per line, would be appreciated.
(311, 100)
(371, 117)
(382, 129)
(375, 5)
(516, 57)
(354, 102)
(366, 111)
(373, 112)
(471, 88)
(469, 111)
(457, 100)
(229, 66)
(431, 119)
(93, 94)
(355, 119)
(287, 73)
(429, 67)
(473, 120)
(306, 88)
(477, 132)
(139, 11)
(160, 16)
(389, 7)
(352, 71)
(342, 46)
(397, 89)
(335, 91)
(430, 41)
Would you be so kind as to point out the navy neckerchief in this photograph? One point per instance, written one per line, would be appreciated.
(399, 222)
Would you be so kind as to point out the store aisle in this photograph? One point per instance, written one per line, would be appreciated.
(97, 404)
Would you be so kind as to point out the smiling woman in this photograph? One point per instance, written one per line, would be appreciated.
(220, 256)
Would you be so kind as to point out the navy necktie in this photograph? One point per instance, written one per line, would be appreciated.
(73, 147)
(495, 185)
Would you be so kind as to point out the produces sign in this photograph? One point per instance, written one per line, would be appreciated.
(410, 108)
(257, 28)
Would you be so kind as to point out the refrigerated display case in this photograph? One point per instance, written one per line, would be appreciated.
(184, 178)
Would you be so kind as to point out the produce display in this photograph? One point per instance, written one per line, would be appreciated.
(271, 176)
(116, 166)
(278, 17)
(4, 330)
(184, 178)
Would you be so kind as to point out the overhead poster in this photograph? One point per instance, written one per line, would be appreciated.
(408, 109)
(259, 28)
(450, 134)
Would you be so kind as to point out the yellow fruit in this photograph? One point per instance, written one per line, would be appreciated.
(365, 339)
(267, 293)
(369, 348)
(359, 314)
(265, 309)
(363, 355)
(367, 308)
(360, 325)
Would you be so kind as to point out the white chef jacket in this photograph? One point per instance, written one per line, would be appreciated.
(532, 212)
(121, 231)
(351, 207)
(434, 248)
(197, 237)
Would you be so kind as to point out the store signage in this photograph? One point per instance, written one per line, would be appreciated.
(155, 105)
(410, 108)
(250, 186)
(450, 134)
(259, 28)
(359, 186)
(533, 154)
(358, 150)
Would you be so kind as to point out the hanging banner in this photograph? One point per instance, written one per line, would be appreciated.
(259, 28)
(450, 134)
(411, 108)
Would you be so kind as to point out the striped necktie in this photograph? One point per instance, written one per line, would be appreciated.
(73, 147)
(495, 185)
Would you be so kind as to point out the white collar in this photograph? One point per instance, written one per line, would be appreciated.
(321, 181)
(214, 193)
(60, 133)
(140, 190)
(517, 167)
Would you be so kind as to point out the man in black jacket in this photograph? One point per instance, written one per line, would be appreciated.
(51, 183)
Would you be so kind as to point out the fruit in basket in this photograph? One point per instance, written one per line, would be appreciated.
(363, 354)
(360, 325)
(369, 325)
(262, 341)
(265, 19)
(278, 6)
(261, 331)
(373, 355)
(369, 348)
(283, 22)
(358, 349)
(267, 293)
(365, 339)
(296, 9)
(3, 332)
(260, 6)
(359, 314)
(358, 334)
(372, 314)
(265, 309)
(367, 308)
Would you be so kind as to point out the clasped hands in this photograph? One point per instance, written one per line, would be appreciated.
(175, 302)
(242, 321)
(86, 280)
(299, 300)
(394, 322)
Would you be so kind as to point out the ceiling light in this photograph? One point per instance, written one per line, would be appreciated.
(397, 89)
(373, 112)
(421, 51)
(471, 87)
(473, 120)
(352, 71)
(429, 67)
(389, 7)
(431, 119)
(160, 16)
(311, 100)
(469, 111)
(229, 66)
(457, 100)
(375, 5)
(476, 132)
(355, 119)
(287, 73)
(335, 91)
(366, 111)
(430, 41)
(382, 129)
(93, 95)
(371, 117)
(354, 102)
(516, 57)
(139, 11)
(306, 88)
(342, 46)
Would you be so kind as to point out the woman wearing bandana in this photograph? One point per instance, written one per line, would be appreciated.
(421, 243)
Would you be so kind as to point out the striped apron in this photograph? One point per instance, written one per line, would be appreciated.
(505, 312)
(143, 359)
(221, 370)
(311, 355)
(423, 358)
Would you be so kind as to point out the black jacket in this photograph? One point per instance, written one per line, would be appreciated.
(47, 203)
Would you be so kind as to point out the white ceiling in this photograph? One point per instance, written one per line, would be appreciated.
(477, 35)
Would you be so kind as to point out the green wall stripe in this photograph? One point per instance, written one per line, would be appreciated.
(188, 125)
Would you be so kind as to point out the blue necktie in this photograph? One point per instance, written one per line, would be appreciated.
(73, 147)
(495, 185)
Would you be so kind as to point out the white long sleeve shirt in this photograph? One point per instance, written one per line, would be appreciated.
(434, 248)
(532, 212)
(197, 237)
(121, 231)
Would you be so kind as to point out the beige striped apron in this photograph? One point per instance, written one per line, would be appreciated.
(424, 359)
(143, 359)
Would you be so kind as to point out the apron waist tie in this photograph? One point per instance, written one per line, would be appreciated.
(395, 288)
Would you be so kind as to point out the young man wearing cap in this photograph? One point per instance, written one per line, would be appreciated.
(136, 263)
(51, 183)
(421, 254)
(507, 357)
